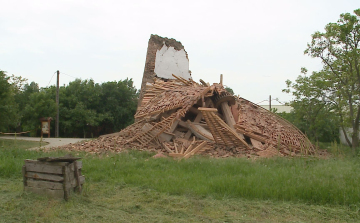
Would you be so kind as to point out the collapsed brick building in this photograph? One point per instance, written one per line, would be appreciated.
(181, 117)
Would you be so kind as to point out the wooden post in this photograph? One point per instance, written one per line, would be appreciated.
(270, 103)
(65, 182)
(57, 105)
(49, 127)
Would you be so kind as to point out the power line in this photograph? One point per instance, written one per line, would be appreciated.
(61, 73)
(51, 79)
(261, 101)
(70, 75)
(272, 100)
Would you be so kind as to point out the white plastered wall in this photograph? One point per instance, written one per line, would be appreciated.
(171, 61)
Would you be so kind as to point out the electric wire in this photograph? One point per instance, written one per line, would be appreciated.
(69, 75)
(51, 79)
(61, 73)
(272, 100)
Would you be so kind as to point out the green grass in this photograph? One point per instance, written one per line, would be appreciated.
(309, 180)
(19, 144)
(109, 202)
(337, 149)
(135, 187)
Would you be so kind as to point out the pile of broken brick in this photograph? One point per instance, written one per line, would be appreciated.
(181, 118)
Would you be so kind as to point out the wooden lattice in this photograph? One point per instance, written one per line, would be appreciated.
(221, 132)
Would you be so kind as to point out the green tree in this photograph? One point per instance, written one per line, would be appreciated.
(22, 98)
(78, 103)
(228, 89)
(8, 106)
(336, 88)
(39, 104)
(119, 102)
(88, 108)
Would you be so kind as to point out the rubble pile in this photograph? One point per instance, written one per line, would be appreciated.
(182, 118)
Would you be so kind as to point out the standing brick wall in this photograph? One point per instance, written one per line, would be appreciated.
(155, 43)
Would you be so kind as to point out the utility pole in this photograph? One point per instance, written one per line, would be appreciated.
(57, 106)
(270, 103)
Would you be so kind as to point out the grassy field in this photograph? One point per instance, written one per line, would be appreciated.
(133, 187)
(19, 144)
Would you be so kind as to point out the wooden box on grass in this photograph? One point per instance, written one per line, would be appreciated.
(55, 177)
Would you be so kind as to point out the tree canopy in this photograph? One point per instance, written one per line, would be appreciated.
(8, 106)
(336, 88)
(87, 109)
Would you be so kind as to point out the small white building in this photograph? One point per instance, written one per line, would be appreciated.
(349, 132)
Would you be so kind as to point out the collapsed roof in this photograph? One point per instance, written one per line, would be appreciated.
(181, 117)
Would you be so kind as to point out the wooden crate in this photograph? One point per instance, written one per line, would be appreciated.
(53, 179)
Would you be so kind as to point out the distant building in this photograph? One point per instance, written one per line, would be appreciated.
(349, 132)
(279, 108)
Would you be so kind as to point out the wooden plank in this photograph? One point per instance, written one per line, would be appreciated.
(44, 184)
(59, 159)
(73, 181)
(173, 126)
(44, 167)
(79, 164)
(208, 109)
(72, 165)
(66, 182)
(229, 118)
(196, 149)
(71, 176)
(46, 192)
(176, 149)
(176, 155)
(251, 135)
(220, 129)
(183, 124)
(204, 84)
(194, 110)
(178, 134)
(197, 119)
(77, 177)
(181, 79)
(200, 131)
(182, 149)
(191, 146)
(163, 136)
(188, 135)
(44, 176)
(167, 148)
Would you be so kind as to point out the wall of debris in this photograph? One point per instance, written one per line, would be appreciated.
(164, 57)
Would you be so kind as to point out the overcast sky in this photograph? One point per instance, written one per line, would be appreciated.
(257, 45)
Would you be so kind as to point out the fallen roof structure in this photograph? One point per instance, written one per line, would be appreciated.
(181, 117)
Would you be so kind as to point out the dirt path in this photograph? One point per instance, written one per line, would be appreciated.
(52, 142)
